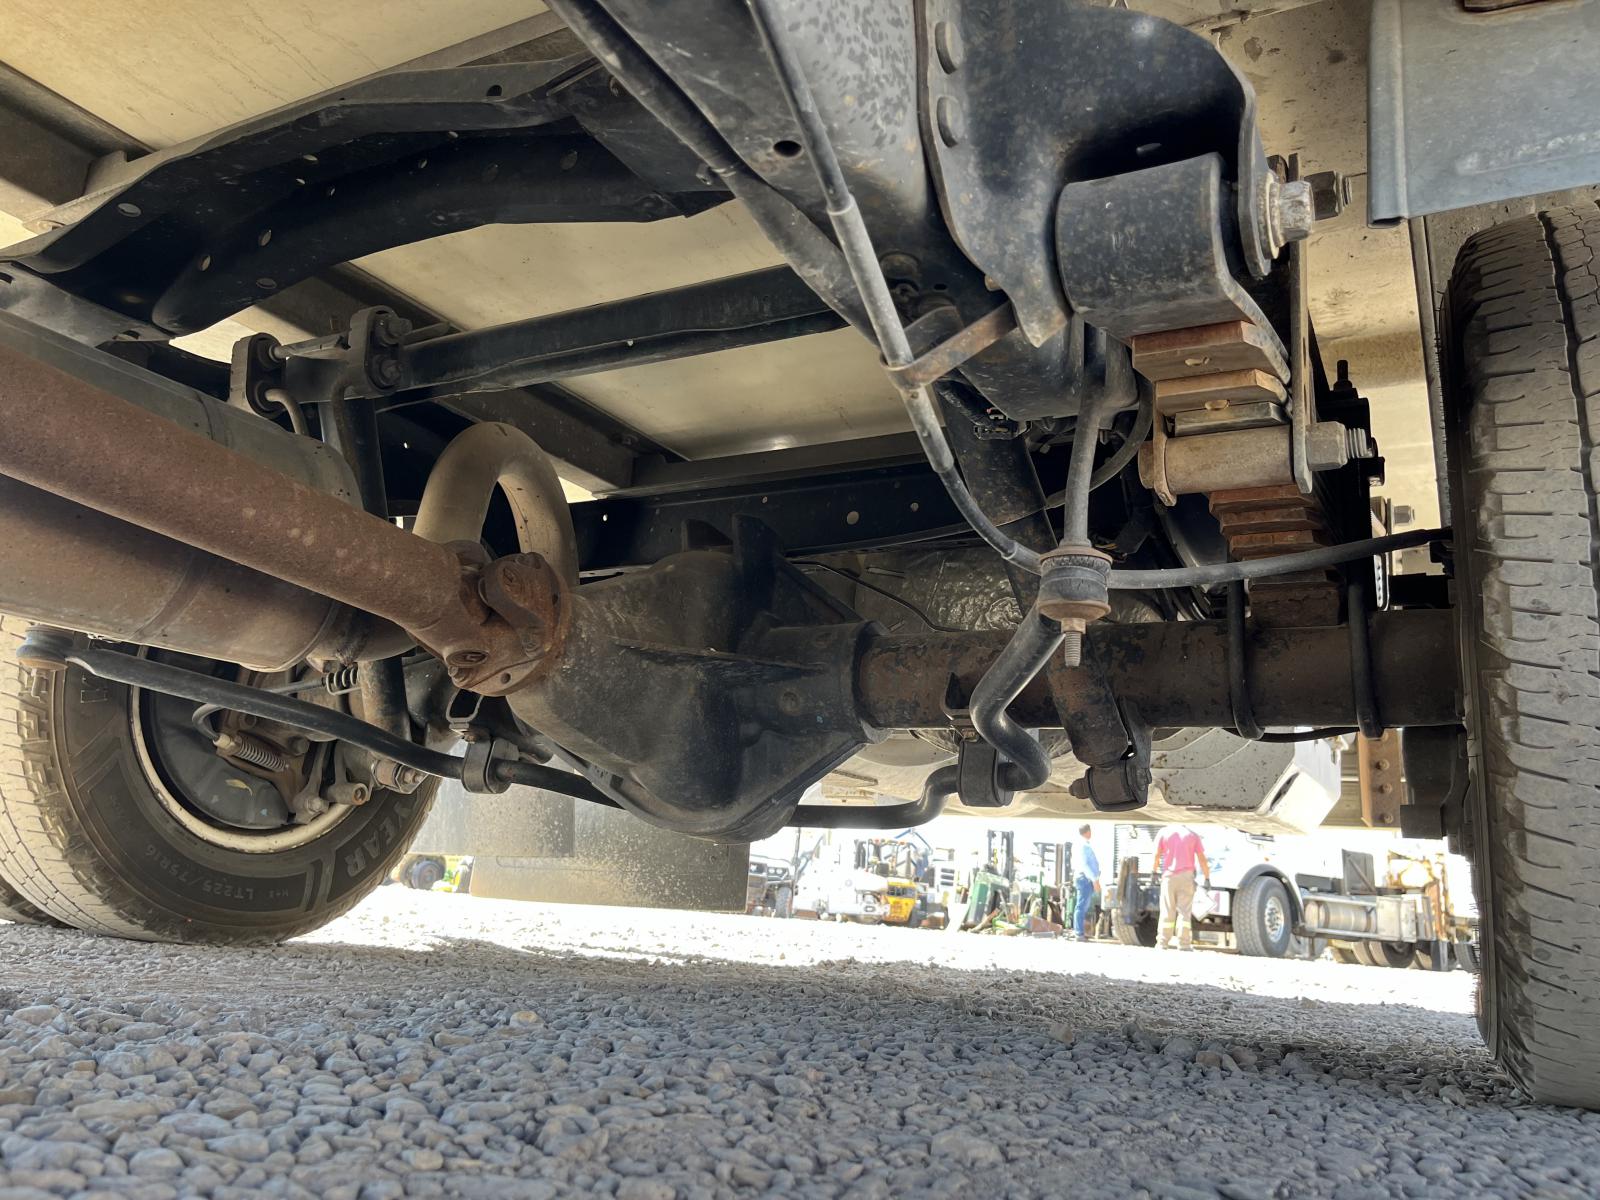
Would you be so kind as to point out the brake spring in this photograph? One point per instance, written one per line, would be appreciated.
(341, 681)
(251, 750)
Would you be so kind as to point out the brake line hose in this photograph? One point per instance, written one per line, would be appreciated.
(1283, 564)
(48, 645)
(856, 244)
(1037, 636)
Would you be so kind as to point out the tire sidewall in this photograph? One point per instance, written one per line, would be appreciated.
(1257, 897)
(1477, 822)
(130, 850)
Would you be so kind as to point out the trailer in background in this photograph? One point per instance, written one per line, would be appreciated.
(1389, 902)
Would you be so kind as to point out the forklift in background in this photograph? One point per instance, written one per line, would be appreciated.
(991, 884)
(1003, 896)
(912, 896)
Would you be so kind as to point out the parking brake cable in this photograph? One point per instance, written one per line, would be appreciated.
(480, 770)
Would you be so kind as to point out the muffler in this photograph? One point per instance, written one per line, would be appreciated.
(222, 483)
(63, 564)
(68, 565)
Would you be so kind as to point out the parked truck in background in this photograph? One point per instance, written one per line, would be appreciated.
(1377, 899)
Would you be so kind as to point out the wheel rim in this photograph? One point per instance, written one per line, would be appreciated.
(192, 816)
(1274, 919)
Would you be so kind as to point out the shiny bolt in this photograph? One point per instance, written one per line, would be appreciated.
(1330, 193)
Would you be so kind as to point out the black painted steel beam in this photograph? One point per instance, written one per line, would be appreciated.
(702, 318)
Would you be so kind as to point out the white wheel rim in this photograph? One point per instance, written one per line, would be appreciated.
(1272, 916)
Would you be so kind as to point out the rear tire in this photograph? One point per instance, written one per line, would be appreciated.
(1523, 409)
(90, 835)
(14, 906)
(424, 873)
(1263, 922)
(1366, 955)
(1398, 956)
(1140, 933)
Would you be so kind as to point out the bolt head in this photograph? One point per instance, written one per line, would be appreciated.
(1296, 211)
(947, 47)
(948, 120)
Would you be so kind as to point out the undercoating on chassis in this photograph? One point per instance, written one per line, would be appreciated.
(311, 582)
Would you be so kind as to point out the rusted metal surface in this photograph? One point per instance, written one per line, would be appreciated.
(1175, 673)
(1215, 461)
(956, 348)
(1204, 350)
(64, 564)
(1379, 764)
(68, 437)
(1245, 414)
(1262, 522)
(1217, 390)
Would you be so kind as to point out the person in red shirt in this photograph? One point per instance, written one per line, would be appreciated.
(1178, 852)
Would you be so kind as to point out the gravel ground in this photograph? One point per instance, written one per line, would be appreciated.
(432, 1045)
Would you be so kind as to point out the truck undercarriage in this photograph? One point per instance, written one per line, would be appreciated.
(1133, 499)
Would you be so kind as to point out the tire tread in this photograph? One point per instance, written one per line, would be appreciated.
(1525, 310)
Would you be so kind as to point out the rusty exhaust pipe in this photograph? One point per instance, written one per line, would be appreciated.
(70, 566)
(63, 564)
(69, 436)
